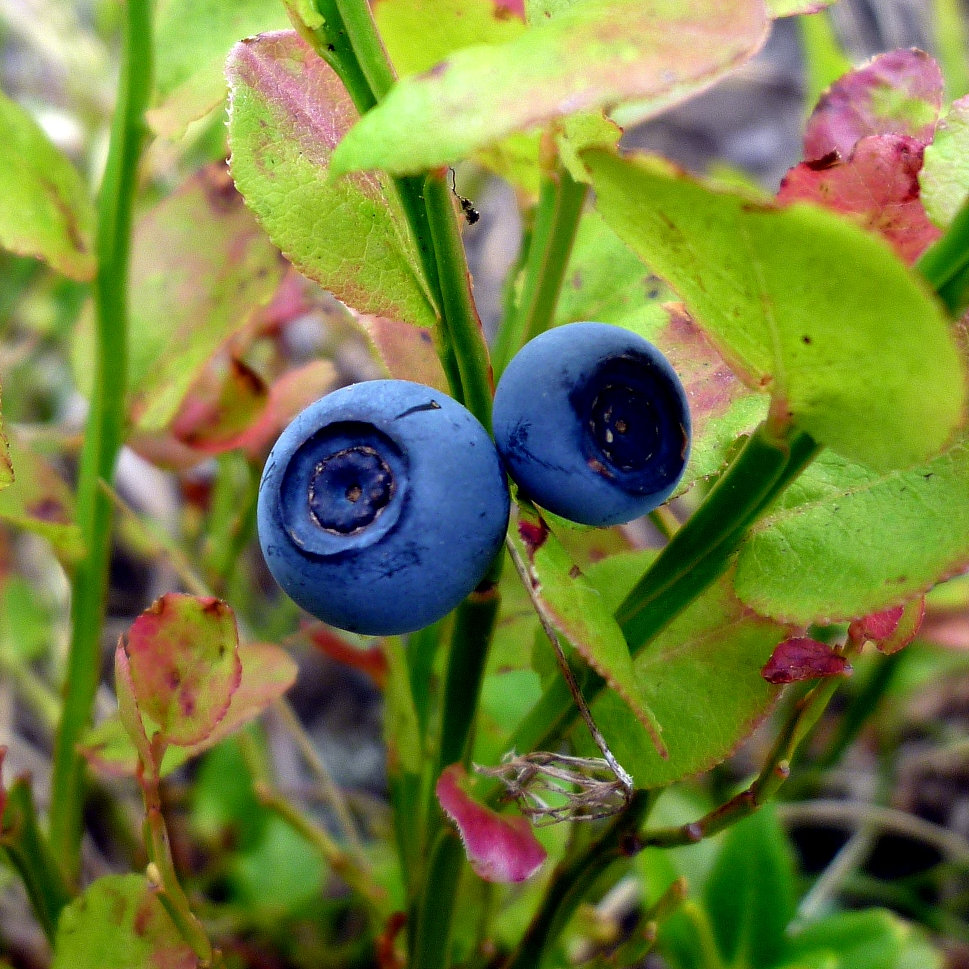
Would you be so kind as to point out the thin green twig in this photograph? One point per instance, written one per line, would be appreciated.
(103, 437)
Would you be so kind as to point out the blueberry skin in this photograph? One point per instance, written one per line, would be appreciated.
(592, 423)
(381, 507)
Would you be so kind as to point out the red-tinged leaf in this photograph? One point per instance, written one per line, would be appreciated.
(221, 406)
(591, 55)
(202, 269)
(803, 658)
(267, 673)
(500, 848)
(516, 7)
(288, 395)
(370, 660)
(117, 744)
(407, 352)
(130, 717)
(288, 110)
(184, 665)
(891, 629)
(878, 184)
(899, 92)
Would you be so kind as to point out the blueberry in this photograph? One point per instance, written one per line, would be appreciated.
(381, 507)
(592, 423)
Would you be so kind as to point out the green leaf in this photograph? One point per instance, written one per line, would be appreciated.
(419, 33)
(192, 39)
(846, 541)
(46, 210)
(577, 611)
(945, 173)
(872, 939)
(119, 921)
(749, 894)
(791, 8)
(592, 56)
(201, 268)
(700, 676)
(288, 110)
(850, 344)
(40, 501)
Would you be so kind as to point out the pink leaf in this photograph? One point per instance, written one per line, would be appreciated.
(406, 351)
(181, 662)
(877, 183)
(499, 848)
(891, 629)
(803, 658)
(899, 92)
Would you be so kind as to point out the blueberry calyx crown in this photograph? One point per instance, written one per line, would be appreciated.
(343, 483)
(631, 415)
(349, 489)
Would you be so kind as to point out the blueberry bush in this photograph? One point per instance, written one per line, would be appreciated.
(653, 564)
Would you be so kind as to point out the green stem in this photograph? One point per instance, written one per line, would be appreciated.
(367, 47)
(557, 219)
(104, 428)
(945, 264)
(431, 938)
(462, 327)
(696, 555)
(573, 880)
(474, 626)
(25, 847)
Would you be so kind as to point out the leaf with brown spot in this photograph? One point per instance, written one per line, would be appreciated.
(220, 407)
(184, 665)
(877, 184)
(46, 211)
(119, 921)
(802, 658)
(899, 92)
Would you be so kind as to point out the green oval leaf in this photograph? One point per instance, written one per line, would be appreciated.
(575, 609)
(288, 110)
(945, 175)
(593, 55)
(119, 921)
(46, 210)
(847, 541)
(802, 304)
(700, 676)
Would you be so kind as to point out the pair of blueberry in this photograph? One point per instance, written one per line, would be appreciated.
(383, 504)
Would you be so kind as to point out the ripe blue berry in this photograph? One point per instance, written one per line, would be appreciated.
(592, 423)
(381, 507)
